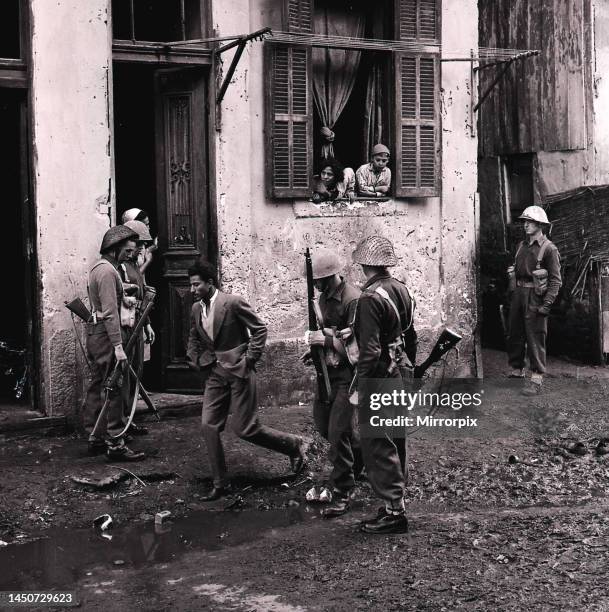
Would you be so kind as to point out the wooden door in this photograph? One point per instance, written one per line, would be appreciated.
(182, 209)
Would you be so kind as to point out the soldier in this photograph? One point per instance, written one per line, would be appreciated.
(534, 284)
(131, 273)
(335, 419)
(105, 340)
(384, 329)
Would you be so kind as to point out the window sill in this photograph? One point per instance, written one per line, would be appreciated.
(360, 207)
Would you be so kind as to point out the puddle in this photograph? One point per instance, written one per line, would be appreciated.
(63, 556)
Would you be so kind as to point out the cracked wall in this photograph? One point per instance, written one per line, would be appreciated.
(72, 173)
(262, 240)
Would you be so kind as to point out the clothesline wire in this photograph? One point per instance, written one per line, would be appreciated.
(328, 40)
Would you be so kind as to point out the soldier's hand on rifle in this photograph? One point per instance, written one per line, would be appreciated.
(119, 353)
(315, 338)
(150, 335)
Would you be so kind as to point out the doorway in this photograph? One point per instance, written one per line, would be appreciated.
(160, 153)
(16, 249)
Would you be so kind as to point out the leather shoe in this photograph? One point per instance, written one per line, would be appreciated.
(298, 462)
(338, 508)
(388, 523)
(124, 453)
(216, 493)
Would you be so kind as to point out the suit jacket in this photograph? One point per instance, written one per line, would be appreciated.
(238, 333)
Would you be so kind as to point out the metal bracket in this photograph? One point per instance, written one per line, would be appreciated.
(240, 43)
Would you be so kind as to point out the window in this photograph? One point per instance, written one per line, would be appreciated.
(157, 20)
(10, 43)
(351, 74)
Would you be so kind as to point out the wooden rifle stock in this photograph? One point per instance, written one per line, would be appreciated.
(448, 339)
(317, 352)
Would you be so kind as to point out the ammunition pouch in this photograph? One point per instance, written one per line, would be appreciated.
(540, 281)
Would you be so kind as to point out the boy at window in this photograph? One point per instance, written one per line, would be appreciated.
(374, 179)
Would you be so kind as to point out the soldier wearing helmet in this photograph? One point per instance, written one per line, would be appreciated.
(132, 273)
(534, 284)
(387, 343)
(335, 419)
(105, 339)
(374, 179)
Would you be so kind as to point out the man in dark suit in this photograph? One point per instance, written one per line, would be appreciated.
(226, 340)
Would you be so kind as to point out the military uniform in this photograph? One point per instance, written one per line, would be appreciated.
(105, 295)
(336, 419)
(528, 320)
(377, 326)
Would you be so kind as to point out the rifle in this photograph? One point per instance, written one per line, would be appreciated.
(317, 352)
(447, 340)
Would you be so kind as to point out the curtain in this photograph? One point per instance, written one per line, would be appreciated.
(373, 117)
(334, 70)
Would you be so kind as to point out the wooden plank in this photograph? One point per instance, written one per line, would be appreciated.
(561, 53)
(534, 77)
(576, 135)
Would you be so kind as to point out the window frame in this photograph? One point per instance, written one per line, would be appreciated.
(14, 72)
(166, 52)
(417, 46)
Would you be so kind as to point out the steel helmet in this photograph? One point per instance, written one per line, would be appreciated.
(325, 262)
(534, 213)
(380, 148)
(115, 235)
(375, 251)
(140, 228)
(131, 214)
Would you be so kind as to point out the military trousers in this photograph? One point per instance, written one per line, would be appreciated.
(336, 421)
(386, 461)
(527, 330)
(101, 358)
(224, 393)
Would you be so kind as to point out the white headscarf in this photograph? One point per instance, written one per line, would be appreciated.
(131, 214)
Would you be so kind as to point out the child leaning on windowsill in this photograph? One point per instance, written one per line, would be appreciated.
(333, 182)
(374, 179)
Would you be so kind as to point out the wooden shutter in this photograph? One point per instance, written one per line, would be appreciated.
(289, 128)
(298, 16)
(418, 20)
(417, 118)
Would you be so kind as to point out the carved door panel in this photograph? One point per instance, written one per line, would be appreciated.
(182, 209)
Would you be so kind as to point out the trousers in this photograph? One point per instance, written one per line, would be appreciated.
(101, 358)
(527, 330)
(226, 393)
(336, 421)
(386, 461)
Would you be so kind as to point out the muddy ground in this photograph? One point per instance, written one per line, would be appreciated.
(505, 520)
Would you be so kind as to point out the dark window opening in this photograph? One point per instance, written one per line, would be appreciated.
(157, 20)
(518, 177)
(10, 31)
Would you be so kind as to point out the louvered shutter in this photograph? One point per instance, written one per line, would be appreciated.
(289, 128)
(418, 20)
(417, 164)
(298, 16)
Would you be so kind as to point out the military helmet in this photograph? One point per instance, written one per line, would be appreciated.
(131, 214)
(140, 228)
(534, 213)
(115, 235)
(375, 251)
(325, 262)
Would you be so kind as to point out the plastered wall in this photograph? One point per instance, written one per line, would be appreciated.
(72, 173)
(262, 241)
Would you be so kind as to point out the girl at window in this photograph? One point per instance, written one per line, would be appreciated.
(333, 182)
